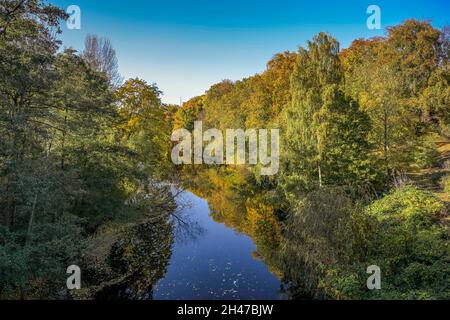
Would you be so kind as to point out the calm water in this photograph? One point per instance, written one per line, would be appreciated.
(214, 262)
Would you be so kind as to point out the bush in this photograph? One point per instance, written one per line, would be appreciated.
(445, 184)
(424, 153)
(410, 247)
(325, 230)
(37, 269)
(329, 243)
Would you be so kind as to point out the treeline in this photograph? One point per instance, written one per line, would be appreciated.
(391, 93)
(78, 150)
(357, 124)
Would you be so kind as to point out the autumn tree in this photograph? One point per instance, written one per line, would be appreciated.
(401, 81)
(188, 113)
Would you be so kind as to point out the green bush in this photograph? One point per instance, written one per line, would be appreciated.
(424, 153)
(410, 246)
(399, 233)
(324, 233)
(36, 269)
(445, 184)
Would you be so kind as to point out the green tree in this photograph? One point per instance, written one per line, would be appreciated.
(144, 127)
(324, 131)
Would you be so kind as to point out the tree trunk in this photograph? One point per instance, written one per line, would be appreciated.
(386, 141)
(320, 177)
(30, 223)
(63, 152)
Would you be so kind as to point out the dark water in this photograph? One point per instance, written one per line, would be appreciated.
(214, 262)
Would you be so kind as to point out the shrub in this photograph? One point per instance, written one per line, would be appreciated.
(410, 246)
(445, 184)
(36, 269)
(329, 243)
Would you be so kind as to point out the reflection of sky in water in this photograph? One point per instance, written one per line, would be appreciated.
(218, 264)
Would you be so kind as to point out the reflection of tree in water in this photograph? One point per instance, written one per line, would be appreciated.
(186, 229)
(136, 260)
(142, 256)
(236, 201)
(124, 261)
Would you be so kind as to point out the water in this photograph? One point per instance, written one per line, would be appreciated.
(216, 263)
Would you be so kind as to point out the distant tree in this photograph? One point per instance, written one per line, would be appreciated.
(216, 104)
(188, 113)
(101, 55)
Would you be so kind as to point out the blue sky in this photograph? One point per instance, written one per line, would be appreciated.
(186, 46)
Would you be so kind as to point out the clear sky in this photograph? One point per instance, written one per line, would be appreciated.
(185, 46)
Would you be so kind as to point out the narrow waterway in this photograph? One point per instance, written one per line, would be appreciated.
(211, 261)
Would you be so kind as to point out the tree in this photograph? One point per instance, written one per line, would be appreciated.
(27, 48)
(325, 132)
(14, 13)
(401, 82)
(188, 113)
(144, 127)
(64, 170)
(101, 55)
